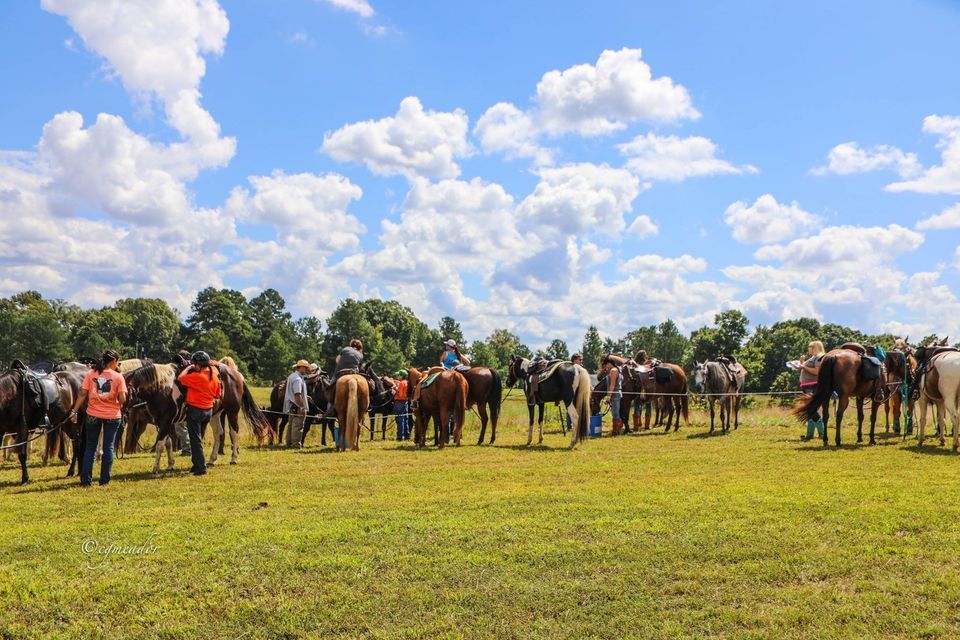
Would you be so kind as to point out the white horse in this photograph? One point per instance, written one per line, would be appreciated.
(941, 386)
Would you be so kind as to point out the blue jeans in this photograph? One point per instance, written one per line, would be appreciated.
(400, 408)
(197, 419)
(92, 426)
(615, 399)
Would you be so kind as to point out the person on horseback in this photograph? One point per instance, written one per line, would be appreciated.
(203, 389)
(451, 357)
(809, 372)
(349, 360)
(105, 392)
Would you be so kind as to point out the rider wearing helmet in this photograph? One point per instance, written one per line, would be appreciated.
(202, 383)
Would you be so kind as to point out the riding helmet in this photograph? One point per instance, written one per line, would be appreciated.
(201, 358)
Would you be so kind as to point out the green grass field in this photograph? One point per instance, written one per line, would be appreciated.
(749, 535)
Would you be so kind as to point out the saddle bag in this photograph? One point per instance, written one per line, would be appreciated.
(663, 375)
(870, 367)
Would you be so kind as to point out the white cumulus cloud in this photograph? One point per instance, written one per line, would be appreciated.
(412, 143)
(944, 178)
(504, 128)
(767, 220)
(360, 7)
(948, 219)
(674, 158)
(849, 157)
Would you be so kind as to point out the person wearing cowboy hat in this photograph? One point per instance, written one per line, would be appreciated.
(452, 357)
(295, 403)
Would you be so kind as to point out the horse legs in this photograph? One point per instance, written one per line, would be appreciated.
(234, 439)
(736, 413)
(923, 419)
(530, 430)
(711, 401)
(874, 409)
(217, 440)
(482, 412)
(860, 419)
(158, 450)
(442, 418)
(540, 422)
(22, 456)
(825, 413)
(841, 407)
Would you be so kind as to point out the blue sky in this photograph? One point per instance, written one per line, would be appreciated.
(254, 144)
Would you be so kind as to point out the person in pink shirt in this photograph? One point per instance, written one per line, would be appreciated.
(105, 392)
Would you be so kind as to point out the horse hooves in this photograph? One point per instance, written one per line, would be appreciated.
(233, 462)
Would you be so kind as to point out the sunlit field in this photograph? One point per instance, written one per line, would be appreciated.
(749, 535)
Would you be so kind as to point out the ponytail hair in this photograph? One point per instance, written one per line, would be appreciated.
(108, 356)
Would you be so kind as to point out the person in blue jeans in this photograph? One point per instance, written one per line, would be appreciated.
(401, 406)
(105, 392)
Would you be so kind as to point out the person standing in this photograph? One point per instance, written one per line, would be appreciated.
(615, 393)
(577, 358)
(401, 406)
(809, 372)
(203, 389)
(295, 403)
(105, 392)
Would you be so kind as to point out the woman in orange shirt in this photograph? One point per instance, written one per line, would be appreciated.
(400, 406)
(105, 392)
(202, 384)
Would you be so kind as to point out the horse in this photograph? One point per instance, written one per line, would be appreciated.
(152, 387)
(570, 384)
(381, 406)
(352, 401)
(445, 397)
(316, 411)
(841, 373)
(485, 390)
(21, 411)
(711, 379)
(236, 398)
(900, 365)
(940, 384)
(640, 383)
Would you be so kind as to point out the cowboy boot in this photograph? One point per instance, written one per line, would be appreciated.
(636, 422)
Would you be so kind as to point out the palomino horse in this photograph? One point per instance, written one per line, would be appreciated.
(841, 373)
(352, 401)
(485, 391)
(445, 397)
(569, 384)
(712, 380)
(21, 411)
(940, 384)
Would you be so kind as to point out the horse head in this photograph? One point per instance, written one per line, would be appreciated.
(699, 376)
(515, 372)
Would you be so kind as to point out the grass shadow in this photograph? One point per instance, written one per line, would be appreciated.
(74, 482)
(707, 434)
(930, 450)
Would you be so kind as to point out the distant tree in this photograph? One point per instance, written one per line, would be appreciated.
(504, 345)
(731, 331)
(226, 310)
(481, 355)
(153, 329)
(449, 329)
(307, 338)
(672, 346)
(592, 349)
(276, 358)
(558, 350)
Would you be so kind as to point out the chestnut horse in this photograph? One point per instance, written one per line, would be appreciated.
(446, 396)
(639, 379)
(352, 402)
(840, 373)
(20, 415)
(485, 391)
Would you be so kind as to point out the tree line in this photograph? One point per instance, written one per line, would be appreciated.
(265, 339)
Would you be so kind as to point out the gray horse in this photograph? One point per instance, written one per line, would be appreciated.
(712, 380)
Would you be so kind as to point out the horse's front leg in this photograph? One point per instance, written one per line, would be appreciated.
(234, 441)
(923, 420)
(873, 421)
(841, 408)
(22, 457)
(215, 428)
(575, 421)
(530, 427)
(158, 451)
(540, 422)
(711, 402)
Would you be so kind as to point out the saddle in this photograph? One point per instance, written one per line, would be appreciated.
(663, 375)
(40, 388)
(731, 366)
(540, 370)
(871, 359)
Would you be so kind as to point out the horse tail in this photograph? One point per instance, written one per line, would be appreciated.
(809, 406)
(255, 417)
(352, 428)
(582, 402)
(683, 404)
(495, 398)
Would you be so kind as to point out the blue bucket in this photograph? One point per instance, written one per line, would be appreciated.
(336, 435)
(596, 426)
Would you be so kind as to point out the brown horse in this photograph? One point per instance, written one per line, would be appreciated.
(21, 412)
(640, 380)
(316, 388)
(352, 402)
(841, 373)
(446, 396)
(236, 398)
(485, 391)
(900, 365)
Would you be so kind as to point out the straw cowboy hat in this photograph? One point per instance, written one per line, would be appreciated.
(301, 363)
